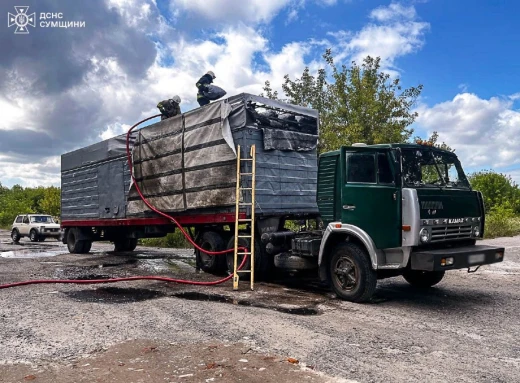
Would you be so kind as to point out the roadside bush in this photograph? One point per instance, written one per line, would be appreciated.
(499, 190)
(172, 240)
(501, 222)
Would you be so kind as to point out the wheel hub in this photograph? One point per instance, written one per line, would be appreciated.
(346, 273)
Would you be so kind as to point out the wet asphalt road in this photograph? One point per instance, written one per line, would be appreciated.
(467, 329)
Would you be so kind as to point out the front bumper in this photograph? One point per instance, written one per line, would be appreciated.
(53, 234)
(463, 257)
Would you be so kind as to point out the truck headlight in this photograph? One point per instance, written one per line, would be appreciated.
(476, 231)
(424, 235)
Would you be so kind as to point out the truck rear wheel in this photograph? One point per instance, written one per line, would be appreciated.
(351, 275)
(125, 244)
(423, 279)
(211, 241)
(261, 259)
(76, 246)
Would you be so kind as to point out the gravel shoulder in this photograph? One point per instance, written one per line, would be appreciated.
(466, 329)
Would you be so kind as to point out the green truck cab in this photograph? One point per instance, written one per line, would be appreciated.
(396, 209)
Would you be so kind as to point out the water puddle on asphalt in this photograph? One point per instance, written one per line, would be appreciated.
(285, 308)
(114, 294)
(32, 253)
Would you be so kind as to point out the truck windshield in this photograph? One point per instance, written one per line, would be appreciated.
(42, 219)
(430, 167)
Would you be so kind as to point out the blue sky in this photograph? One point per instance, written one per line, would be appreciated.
(61, 89)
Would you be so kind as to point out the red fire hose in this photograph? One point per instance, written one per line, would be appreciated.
(154, 278)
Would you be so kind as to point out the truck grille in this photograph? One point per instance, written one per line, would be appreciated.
(443, 233)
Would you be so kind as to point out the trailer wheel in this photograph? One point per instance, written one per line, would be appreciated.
(76, 246)
(351, 275)
(423, 279)
(87, 245)
(211, 241)
(261, 258)
(125, 244)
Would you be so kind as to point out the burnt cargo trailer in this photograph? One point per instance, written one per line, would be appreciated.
(186, 166)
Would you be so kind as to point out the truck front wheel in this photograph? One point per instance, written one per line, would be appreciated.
(423, 279)
(351, 275)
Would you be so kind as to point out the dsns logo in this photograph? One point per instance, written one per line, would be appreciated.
(21, 20)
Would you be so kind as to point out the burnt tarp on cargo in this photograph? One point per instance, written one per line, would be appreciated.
(186, 162)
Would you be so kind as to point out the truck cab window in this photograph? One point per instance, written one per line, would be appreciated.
(384, 170)
(19, 219)
(25, 219)
(361, 168)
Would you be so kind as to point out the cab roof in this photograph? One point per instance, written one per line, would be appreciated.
(389, 146)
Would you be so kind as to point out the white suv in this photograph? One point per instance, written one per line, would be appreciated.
(35, 226)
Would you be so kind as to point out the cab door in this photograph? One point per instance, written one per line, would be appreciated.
(371, 196)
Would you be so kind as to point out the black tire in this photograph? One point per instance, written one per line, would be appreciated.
(125, 244)
(74, 245)
(33, 235)
(15, 235)
(87, 245)
(351, 275)
(423, 279)
(262, 261)
(211, 241)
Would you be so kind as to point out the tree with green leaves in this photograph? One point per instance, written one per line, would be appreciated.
(432, 141)
(356, 103)
(499, 190)
(51, 202)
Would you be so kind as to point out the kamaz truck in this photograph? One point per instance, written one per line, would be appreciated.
(362, 212)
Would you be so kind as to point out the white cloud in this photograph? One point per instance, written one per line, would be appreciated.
(234, 12)
(392, 12)
(463, 88)
(328, 3)
(12, 114)
(292, 15)
(46, 172)
(251, 11)
(114, 130)
(396, 32)
(485, 133)
(108, 99)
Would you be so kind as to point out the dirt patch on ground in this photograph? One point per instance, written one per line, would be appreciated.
(148, 361)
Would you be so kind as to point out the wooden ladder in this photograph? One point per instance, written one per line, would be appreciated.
(251, 250)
